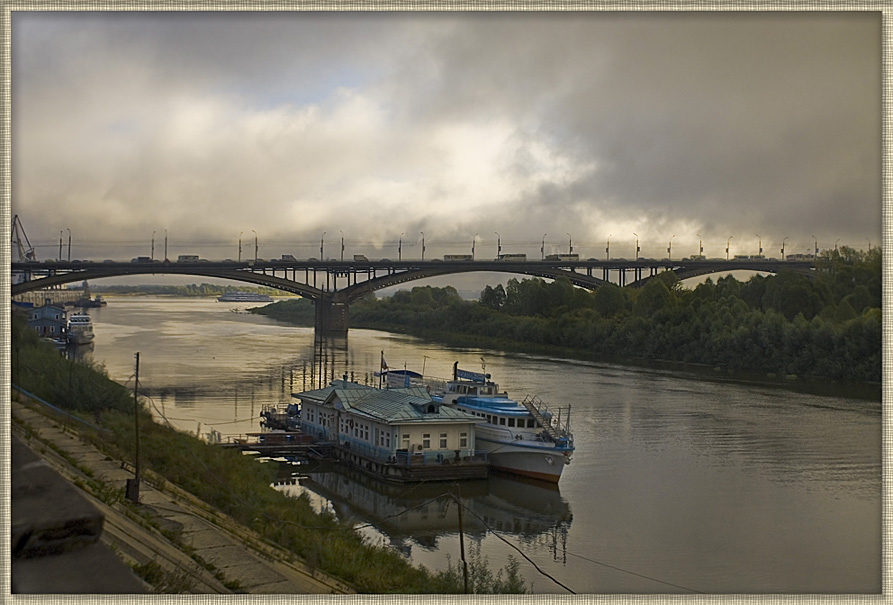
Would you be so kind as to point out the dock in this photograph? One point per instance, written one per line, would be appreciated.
(400, 468)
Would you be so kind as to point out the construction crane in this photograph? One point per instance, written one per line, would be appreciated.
(20, 240)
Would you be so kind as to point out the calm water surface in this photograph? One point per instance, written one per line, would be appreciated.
(679, 483)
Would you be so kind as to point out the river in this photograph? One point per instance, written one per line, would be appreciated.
(680, 483)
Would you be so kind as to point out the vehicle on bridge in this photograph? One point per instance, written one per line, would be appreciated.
(562, 257)
(138, 259)
(288, 257)
(458, 257)
(360, 257)
(519, 257)
(187, 258)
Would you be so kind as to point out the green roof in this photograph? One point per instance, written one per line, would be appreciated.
(389, 405)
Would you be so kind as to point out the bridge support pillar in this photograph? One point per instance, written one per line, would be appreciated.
(331, 318)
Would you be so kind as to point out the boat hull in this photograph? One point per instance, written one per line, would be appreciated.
(81, 337)
(543, 463)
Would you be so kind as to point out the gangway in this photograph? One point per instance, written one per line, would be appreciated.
(553, 426)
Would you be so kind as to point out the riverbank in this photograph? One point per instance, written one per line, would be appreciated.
(801, 384)
(300, 313)
(171, 540)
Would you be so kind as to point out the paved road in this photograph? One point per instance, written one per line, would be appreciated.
(236, 559)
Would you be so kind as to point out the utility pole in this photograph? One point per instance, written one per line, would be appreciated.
(69, 245)
(458, 500)
(133, 485)
(423, 244)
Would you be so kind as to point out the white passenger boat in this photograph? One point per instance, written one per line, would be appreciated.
(80, 329)
(523, 438)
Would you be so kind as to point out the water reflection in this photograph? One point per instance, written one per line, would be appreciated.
(419, 514)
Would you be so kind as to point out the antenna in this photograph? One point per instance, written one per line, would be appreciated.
(23, 246)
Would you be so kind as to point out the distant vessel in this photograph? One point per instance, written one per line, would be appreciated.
(243, 297)
(80, 329)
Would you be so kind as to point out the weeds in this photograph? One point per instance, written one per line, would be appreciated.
(163, 581)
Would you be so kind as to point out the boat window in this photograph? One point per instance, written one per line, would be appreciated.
(502, 421)
(531, 423)
(511, 422)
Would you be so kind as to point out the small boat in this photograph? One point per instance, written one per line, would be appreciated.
(242, 296)
(80, 329)
(523, 438)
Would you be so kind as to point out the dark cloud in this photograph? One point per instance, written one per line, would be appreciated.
(453, 124)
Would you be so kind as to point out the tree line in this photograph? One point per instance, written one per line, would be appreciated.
(826, 325)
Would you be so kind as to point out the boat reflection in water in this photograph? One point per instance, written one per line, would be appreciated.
(421, 513)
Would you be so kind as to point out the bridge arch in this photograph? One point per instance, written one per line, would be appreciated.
(332, 302)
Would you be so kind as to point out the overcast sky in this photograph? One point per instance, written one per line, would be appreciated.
(596, 125)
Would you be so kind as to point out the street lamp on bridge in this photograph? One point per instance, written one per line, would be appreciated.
(498, 245)
(255, 244)
(782, 246)
(423, 244)
(400, 248)
(61, 233)
(472, 245)
(322, 239)
(543, 247)
(637, 245)
(727, 246)
(670, 248)
(570, 244)
(760, 239)
(608, 249)
(342, 243)
(152, 255)
(69, 244)
(817, 246)
(700, 245)
(240, 245)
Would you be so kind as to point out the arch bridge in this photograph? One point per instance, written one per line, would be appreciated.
(334, 284)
